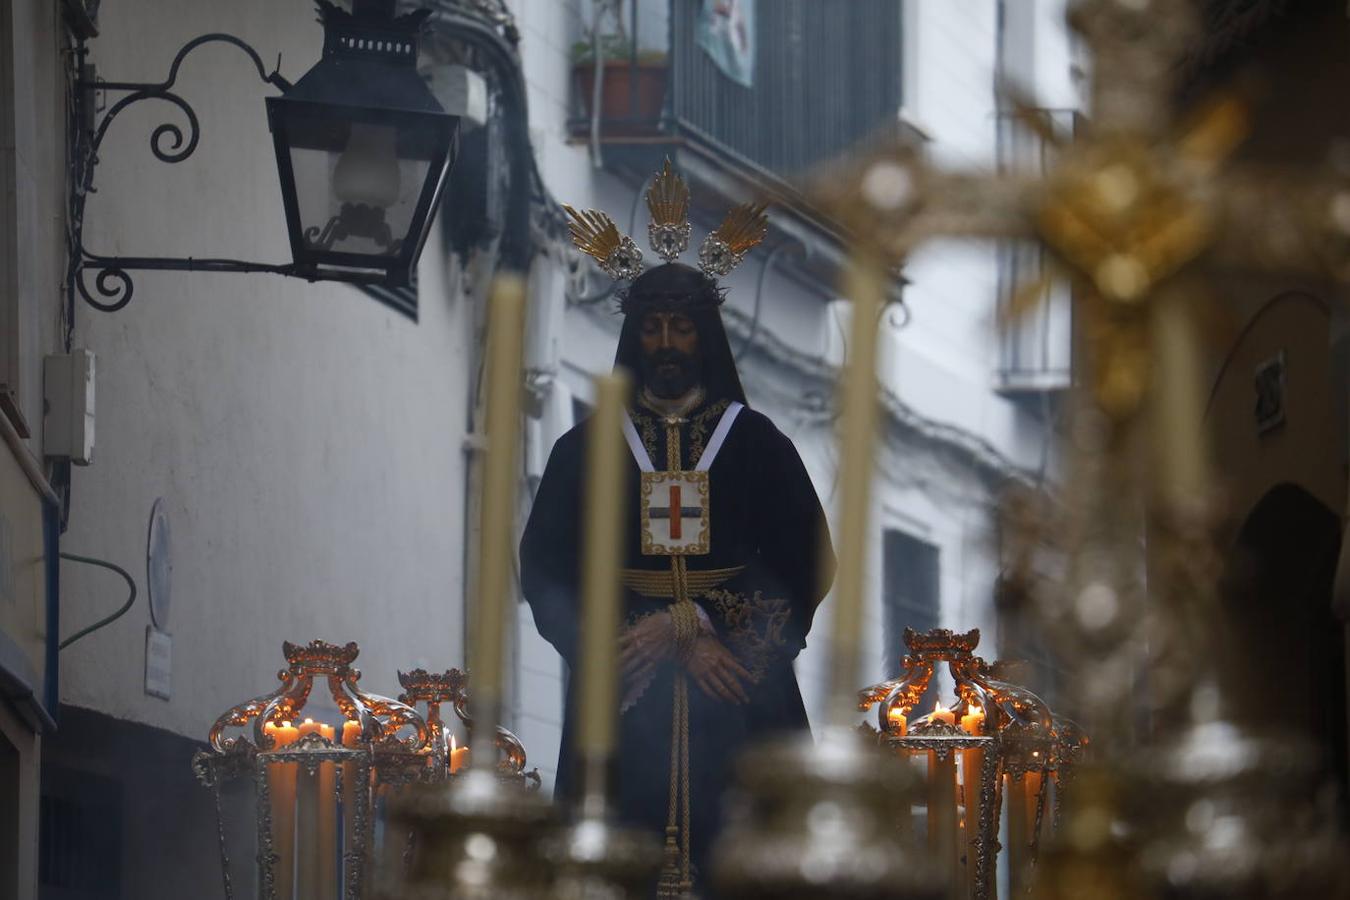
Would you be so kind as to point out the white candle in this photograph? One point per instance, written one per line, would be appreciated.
(281, 779)
(307, 825)
(942, 824)
(328, 834)
(600, 587)
(857, 432)
(1015, 794)
(942, 714)
(1177, 429)
(496, 544)
(459, 756)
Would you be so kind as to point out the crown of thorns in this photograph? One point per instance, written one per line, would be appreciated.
(596, 235)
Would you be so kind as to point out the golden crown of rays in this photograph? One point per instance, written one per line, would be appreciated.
(596, 235)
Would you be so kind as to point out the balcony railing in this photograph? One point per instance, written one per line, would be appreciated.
(824, 75)
(1037, 352)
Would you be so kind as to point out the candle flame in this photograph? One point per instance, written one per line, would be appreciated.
(452, 743)
(308, 720)
(285, 724)
(938, 707)
(975, 710)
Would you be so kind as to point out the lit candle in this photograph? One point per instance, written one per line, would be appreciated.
(943, 841)
(281, 779)
(1016, 794)
(895, 718)
(973, 721)
(328, 835)
(506, 320)
(600, 584)
(307, 800)
(459, 756)
(857, 432)
(942, 714)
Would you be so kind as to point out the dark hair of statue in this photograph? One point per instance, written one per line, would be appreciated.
(678, 288)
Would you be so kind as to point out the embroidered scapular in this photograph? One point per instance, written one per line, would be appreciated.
(675, 507)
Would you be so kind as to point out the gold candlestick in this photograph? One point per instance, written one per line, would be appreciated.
(818, 820)
(477, 836)
(594, 857)
(506, 320)
(858, 398)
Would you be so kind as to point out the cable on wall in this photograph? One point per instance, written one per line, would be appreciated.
(131, 598)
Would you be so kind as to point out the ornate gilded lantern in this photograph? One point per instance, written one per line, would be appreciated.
(997, 747)
(314, 772)
(497, 803)
(446, 756)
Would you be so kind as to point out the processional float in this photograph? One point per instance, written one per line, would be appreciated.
(1127, 212)
(1207, 807)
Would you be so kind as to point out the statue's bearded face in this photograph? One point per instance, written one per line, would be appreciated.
(671, 362)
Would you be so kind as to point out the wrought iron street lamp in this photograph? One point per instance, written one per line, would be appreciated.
(362, 146)
(363, 152)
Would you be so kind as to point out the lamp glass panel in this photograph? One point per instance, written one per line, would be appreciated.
(356, 192)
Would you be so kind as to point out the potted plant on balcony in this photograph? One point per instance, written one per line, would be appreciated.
(633, 84)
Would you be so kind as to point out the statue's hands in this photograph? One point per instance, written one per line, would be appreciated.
(645, 646)
(715, 670)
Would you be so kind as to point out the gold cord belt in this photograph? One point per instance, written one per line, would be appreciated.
(676, 872)
(661, 584)
(676, 879)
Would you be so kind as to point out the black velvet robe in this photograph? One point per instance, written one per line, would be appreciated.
(766, 517)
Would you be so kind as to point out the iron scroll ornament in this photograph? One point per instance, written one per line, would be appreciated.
(112, 286)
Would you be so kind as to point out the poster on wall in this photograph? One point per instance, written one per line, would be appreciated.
(726, 32)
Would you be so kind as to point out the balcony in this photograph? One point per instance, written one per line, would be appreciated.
(1036, 353)
(815, 78)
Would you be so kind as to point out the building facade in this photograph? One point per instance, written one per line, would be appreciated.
(966, 416)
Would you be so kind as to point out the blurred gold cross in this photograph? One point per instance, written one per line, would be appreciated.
(1126, 207)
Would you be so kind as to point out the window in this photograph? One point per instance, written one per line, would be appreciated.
(1035, 355)
(1035, 352)
(581, 411)
(910, 591)
(81, 842)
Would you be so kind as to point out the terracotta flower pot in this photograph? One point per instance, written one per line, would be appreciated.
(623, 78)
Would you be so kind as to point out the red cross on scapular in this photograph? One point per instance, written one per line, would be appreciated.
(677, 513)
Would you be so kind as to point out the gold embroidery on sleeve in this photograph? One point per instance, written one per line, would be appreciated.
(754, 626)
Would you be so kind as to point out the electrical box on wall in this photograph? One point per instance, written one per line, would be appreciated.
(68, 407)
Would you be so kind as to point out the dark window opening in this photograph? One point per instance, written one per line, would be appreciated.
(910, 572)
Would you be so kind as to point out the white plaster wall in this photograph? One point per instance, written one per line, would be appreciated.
(307, 441)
